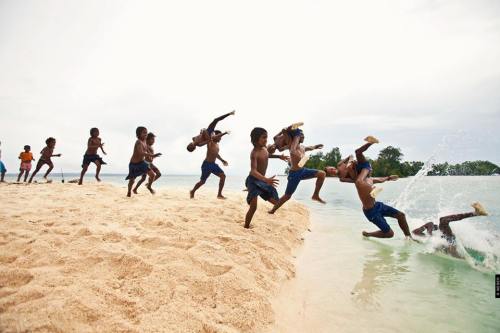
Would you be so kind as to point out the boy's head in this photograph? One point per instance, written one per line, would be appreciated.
(141, 132)
(331, 171)
(217, 132)
(94, 132)
(150, 139)
(258, 136)
(51, 142)
(27, 148)
(191, 147)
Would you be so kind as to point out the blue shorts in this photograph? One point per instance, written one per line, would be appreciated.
(364, 165)
(2, 167)
(259, 188)
(87, 159)
(295, 132)
(209, 167)
(377, 214)
(137, 169)
(294, 178)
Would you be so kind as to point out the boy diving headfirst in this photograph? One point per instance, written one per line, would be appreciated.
(206, 133)
(444, 227)
(257, 183)
(283, 139)
(298, 172)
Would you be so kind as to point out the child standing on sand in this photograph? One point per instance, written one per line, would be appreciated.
(209, 166)
(26, 157)
(138, 166)
(257, 183)
(46, 158)
(150, 141)
(3, 170)
(91, 156)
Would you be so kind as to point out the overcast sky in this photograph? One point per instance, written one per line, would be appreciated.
(413, 73)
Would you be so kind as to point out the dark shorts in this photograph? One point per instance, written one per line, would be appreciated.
(257, 188)
(377, 215)
(137, 169)
(42, 162)
(2, 167)
(209, 167)
(364, 165)
(87, 159)
(294, 178)
(295, 132)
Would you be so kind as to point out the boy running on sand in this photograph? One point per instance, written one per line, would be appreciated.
(91, 156)
(150, 140)
(138, 166)
(46, 158)
(298, 172)
(204, 137)
(26, 157)
(444, 227)
(257, 183)
(209, 166)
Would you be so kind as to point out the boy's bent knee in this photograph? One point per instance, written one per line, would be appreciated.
(389, 234)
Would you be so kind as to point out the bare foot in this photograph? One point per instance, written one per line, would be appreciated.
(371, 139)
(191, 194)
(97, 177)
(318, 199)
(220, 196)
(365, 234)
(134, 190)
(129, 194)
(479, 209)
(150, 189)
(271, 211)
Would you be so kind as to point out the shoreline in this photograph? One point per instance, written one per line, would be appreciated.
(87, 258)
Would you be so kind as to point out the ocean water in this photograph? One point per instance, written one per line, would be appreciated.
(345, 283)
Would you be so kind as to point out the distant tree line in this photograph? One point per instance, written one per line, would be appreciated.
(390, 162)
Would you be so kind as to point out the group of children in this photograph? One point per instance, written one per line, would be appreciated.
(350, 170)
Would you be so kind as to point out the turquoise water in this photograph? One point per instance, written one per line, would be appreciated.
(345, 283)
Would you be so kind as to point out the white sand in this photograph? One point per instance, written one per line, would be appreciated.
(88, 259)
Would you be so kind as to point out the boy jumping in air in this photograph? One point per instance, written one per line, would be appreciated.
(93, 145)
(46, 158)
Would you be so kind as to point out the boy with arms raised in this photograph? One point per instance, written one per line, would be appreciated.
(91, 156)
(257, 183)
(138, 166)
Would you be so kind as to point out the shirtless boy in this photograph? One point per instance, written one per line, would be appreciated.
(46, 158)
(209, 166)
(138, 166)
(93, 145)
(257, 183)
(150, 140)
(206, 133)
(297, 172)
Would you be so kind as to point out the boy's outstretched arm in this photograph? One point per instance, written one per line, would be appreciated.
(309, 148)
(384, 179)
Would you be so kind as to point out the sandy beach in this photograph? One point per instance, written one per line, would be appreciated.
(88, 259)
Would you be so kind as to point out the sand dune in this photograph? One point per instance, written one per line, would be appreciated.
(87, 259)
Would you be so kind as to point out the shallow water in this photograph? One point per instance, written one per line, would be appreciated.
(345, 283)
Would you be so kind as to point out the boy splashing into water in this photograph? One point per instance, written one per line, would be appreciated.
(46, 158)
(205, 134)
(444, 227)
(298, 172)
(209, 166)
(26, 157)
(138, 166)
(257, 183)
(91, 156)
(150, 140)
